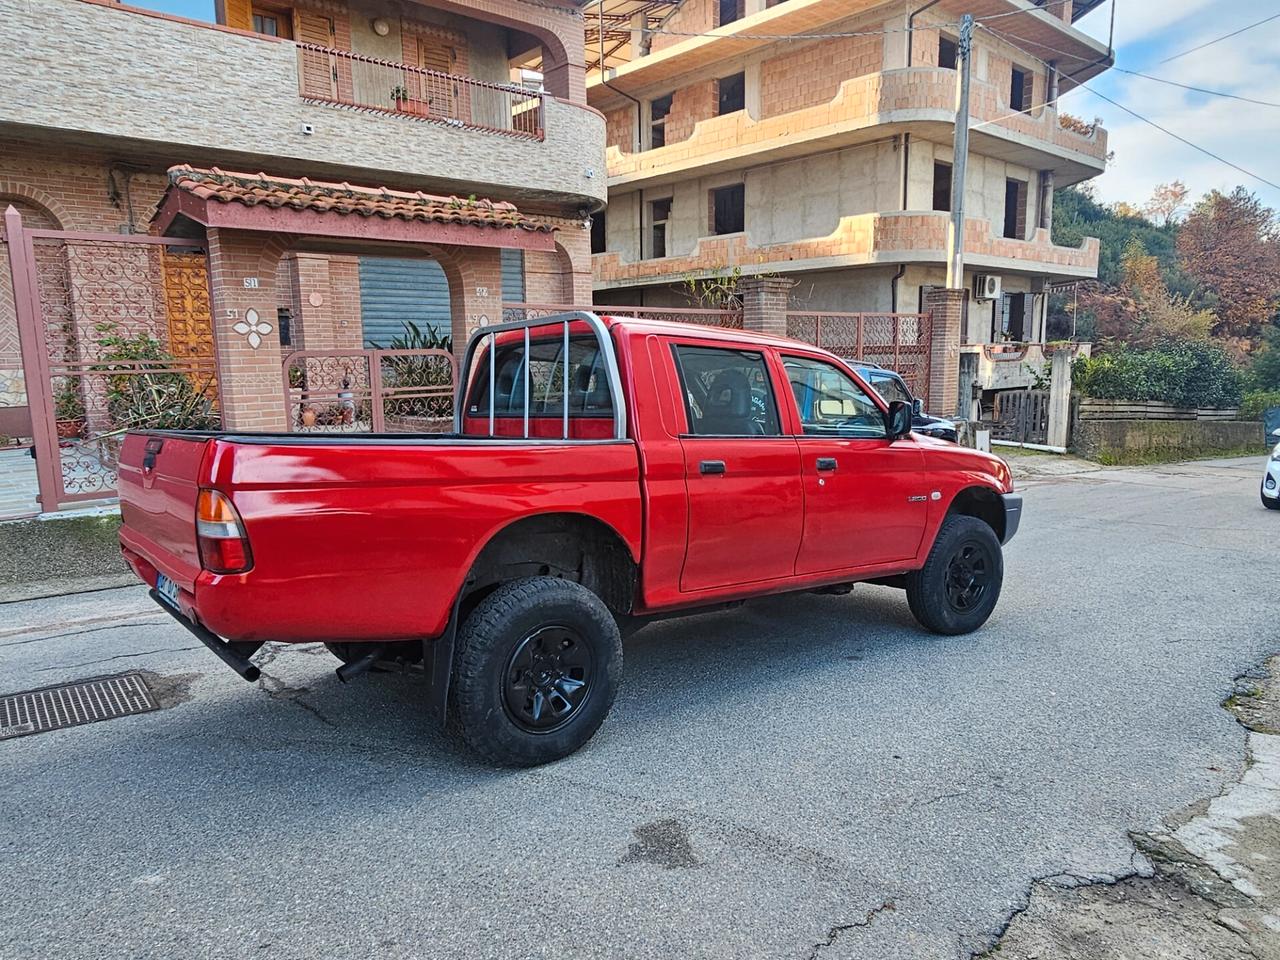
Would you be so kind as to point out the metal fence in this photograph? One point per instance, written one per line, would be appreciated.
(899, 341)
(348, 79)
(361, 391)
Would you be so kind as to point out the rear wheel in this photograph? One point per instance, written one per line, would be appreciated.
(537, 666)
(957, 588)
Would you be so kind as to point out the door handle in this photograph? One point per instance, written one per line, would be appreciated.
(710, 467)
(826, 463)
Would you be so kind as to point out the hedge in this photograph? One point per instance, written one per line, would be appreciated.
(1257, 402)
(1182, 373)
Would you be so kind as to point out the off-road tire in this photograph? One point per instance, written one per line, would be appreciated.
(927, 588)
(1271, 503)
(494, 633)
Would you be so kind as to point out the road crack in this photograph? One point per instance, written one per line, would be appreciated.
(833, 934)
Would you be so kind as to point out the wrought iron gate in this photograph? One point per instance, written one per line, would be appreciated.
(116, 334)
(363, 391)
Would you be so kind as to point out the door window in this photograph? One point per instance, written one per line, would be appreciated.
(727, 393)
(831, 404)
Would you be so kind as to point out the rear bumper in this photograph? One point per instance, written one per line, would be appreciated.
(1012, 514)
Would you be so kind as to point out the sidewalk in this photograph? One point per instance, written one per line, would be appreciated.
(44, 558)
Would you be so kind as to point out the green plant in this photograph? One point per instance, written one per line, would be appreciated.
(68, 405)
(142, 388)
(1256, 402)
(1183, 373)
(399, 93)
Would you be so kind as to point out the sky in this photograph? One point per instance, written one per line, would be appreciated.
(1146, 32)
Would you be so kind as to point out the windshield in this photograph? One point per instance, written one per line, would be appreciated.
(889, 387)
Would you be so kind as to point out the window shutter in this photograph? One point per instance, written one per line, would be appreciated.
(319, 72)
(238, 14)
(435, 54)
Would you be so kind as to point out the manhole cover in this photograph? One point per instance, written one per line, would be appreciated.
(71, 704)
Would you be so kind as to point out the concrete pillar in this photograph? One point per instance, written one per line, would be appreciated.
(948, 308)
(242, 291)
(1060, 398)
(764, 304)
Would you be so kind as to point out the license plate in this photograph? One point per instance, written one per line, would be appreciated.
(167, 589)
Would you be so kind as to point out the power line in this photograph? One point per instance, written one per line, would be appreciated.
(1215, 93)
(1182, 139)
(1228, 36)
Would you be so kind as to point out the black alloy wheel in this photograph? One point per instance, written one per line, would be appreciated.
(968, 575)
(548, 678)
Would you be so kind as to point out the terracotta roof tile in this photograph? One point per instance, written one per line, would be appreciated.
(252, 189)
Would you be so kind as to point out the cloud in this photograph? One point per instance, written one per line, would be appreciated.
(1247, 134)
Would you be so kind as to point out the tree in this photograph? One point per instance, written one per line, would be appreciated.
(1166, 201)
(1142, 310)
(1230, 244)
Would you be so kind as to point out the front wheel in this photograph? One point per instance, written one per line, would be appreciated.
(537, 666)
(957, 588)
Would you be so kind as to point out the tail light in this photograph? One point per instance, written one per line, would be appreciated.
(224, 548)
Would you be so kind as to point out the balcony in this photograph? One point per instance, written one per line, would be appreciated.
(284, 108)
(916, 100)
(345, 79)
(1012, 366)
(864, 240)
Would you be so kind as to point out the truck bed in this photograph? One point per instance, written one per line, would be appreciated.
(393, 521)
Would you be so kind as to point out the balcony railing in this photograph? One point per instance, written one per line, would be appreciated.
(350, 80)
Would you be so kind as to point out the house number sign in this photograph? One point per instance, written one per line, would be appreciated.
(251, 283)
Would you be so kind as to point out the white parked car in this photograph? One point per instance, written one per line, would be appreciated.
(1271, 479)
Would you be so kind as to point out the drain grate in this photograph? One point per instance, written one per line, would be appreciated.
(71, 704)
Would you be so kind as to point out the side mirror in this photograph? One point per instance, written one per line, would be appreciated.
(917, 407)
(898, 420)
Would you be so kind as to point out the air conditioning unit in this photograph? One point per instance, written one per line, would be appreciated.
(986, 286)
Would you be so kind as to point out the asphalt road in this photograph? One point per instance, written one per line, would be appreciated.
(802, 777)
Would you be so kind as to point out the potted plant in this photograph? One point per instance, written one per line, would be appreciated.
(68, 411)
(399, 96)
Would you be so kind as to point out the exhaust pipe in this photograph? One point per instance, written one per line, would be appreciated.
(349, 671)
(234, 655)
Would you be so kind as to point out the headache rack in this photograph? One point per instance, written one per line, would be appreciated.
(564, 321)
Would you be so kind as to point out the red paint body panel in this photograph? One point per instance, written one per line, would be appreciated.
(368, 539)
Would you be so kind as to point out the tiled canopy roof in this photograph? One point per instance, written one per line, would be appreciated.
(252, 189)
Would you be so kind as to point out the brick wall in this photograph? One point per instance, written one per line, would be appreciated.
(692, 16)
(620, 128)
(690, 104)
(812, 74)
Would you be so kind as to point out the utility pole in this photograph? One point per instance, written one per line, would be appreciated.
(955, 235)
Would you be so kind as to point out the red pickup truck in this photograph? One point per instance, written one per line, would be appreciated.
(602, 472)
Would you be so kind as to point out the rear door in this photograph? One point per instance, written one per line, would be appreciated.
(865, 498)
(742, 472)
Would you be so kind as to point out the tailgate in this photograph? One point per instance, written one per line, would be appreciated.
(159, 482)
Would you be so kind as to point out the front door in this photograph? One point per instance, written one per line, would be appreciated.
(865, 498)
(742, 473)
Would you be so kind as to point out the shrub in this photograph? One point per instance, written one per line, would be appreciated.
(1256, 402)
(1182, 373)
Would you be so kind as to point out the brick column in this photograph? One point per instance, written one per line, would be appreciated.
(475, 289)
(326, 301)
(575, 245)
(948, 308)
(764, 304)
(250, 385)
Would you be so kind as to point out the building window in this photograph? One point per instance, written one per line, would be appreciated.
(1013, 318)
(284, 326)
(659, 214)
(732, 93)
(658, 111)
(728, 209)
(941, 185)
(947, 52)
(730, 10)
(1020, 84)
(1015, 209)
(597, 232)
(272, 22)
